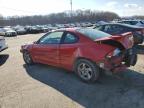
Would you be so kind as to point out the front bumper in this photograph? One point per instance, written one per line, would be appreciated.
(119, 63)
(10, 34)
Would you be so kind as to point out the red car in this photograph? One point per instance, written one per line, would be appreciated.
(85, 51)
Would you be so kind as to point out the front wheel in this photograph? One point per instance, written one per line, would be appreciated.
(27, 58)
(87, 70)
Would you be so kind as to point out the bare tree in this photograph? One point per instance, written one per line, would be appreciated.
(1, 20)
(63, 17)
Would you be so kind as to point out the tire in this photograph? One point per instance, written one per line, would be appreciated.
(27, 58)
(87, 70)
(133, 60)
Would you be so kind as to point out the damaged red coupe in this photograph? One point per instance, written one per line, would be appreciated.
(84, 51)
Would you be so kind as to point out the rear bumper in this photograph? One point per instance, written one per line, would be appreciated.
(119, 63)
(113, 64)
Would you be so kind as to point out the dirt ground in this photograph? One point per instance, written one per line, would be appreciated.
(41, 86)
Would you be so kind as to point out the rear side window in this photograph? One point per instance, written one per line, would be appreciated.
(93, 33)
(70, 38)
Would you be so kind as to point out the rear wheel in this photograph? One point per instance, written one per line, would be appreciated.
(87, 70)
(27, 58)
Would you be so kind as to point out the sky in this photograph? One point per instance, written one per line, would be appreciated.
(43, 7)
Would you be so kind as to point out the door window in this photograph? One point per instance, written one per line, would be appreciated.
(51, 38)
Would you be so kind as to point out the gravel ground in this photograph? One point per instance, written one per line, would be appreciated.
(41, 86)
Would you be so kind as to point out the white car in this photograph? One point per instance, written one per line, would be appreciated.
(3, 44)
(7, 32)
(10, 32)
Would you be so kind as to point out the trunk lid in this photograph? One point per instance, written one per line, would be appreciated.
(125, 39)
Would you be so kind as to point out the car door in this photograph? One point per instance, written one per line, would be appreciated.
(45, 50)
(68, 49)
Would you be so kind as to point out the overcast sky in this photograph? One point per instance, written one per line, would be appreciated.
(42, 7)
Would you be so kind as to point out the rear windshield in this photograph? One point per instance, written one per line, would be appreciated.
(93, 33)
(131, 22)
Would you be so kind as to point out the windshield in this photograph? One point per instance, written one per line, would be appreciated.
(93, 33)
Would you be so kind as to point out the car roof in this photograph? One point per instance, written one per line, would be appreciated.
(67, 29)
(125, 25)
(129, 20)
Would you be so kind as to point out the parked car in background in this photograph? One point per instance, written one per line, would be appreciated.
(2, 32)
(101, 23)
(85, 51)
(42, 29)
(117, 29)
(36, 29)
(3, 44)
(20, 30)
(9, 32)
(139, 23)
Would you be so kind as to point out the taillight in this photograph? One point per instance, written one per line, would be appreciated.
(109, 55)
(115, 52)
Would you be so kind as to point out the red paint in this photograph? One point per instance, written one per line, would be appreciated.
(64, 55)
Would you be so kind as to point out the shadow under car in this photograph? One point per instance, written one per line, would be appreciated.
(3, 58)
(107, 92)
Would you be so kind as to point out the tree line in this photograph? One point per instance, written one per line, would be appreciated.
(62, 18)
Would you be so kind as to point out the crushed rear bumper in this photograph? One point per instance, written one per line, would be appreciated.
(119, 63)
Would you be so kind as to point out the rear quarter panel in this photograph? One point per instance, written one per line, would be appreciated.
(85, 48)
(94, 51)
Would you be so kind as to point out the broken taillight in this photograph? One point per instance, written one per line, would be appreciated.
(115, 52)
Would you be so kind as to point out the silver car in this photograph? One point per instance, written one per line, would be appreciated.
(10, 32)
